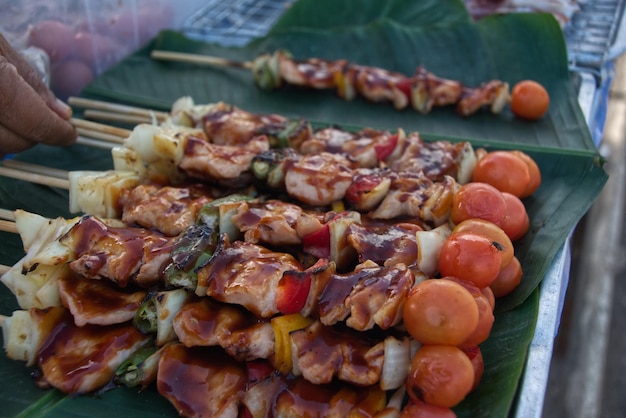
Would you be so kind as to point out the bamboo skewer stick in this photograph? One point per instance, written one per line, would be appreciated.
(97, 143)
(35, 178)
(34, 168)
(8, 226)
(116, 108)
(7, 215)
(103, 136)
(101, 128)
(199, 59)
(120, 117)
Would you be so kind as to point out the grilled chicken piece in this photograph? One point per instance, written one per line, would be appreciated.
(319, 179)
(274, 222)
(169, 210)
(428, 90)
(434, 159)
(282, 396)
(208, 161)
(494, 94)
(386, 245)
(229, 125)
(204, 322)
(98, 302)
(313, 72)
(122, 255)
(246, 274)
(201, 382)
(379, 85)
(323, 353)
(78, 360)
(407, 193)
(415, 195)
(370, 295)
(358, 146)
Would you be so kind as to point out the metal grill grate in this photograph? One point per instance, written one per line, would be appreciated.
(235, 22)
(593, 33)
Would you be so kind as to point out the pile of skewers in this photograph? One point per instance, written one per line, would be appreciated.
(288, 250)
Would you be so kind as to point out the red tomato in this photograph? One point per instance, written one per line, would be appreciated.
(470, 257)
(489, 230)
(508, 279)
(476, 357)
(533, 170)
(440, 311)
(292, 291)
(418, 409)
(485, 314)
(478, 200)
(485, 323)
(489, 295)
(504, 171)
(516, 221)
(529, 100)
(440, 375)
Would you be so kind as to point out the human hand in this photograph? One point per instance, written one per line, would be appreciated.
(29, 112)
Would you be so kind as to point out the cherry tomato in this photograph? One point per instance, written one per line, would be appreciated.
(485, 322)
(476, 357)
(485, 314)
(478, 200)
(504, 171)
(470, 257)
(533, 170)
(516, 221)
(489, 230)
(440, 312)
(529, 100)
(440, 375)
(508, 279)
(489, 294)
(418, 409)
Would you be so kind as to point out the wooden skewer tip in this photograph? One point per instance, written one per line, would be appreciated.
(199, 59)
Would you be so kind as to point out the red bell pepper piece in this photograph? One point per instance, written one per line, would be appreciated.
(318, 243)
(293, 291)
(384, 149)
(258, 370)
(405, 87)
(362, 186)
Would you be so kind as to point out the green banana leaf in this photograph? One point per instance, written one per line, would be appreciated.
(436, 34)
(396, 34)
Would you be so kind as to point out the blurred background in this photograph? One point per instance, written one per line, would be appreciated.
(580, 371)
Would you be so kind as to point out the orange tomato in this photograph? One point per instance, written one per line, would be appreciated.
(503, 170)
(478, 200)
(485, 322)
(485, 314)
(440, 312)
(476, 357)
(533, 170)
(489, 295)
(516, 221)
(470, 257)
(508, 279)
(418, 409)
(491, 231)
(529, 100)
(440, 375)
